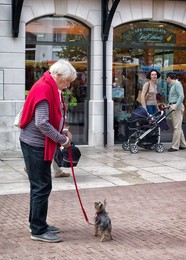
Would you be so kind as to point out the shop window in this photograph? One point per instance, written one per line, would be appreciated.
(49, 39)
(139, 47)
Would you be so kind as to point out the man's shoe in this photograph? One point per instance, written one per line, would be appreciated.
(47, 237)
(172, 150)
(61, 175)
(52, 229)
(182, 148)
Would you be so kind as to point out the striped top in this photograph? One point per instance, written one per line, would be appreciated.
(39, 127)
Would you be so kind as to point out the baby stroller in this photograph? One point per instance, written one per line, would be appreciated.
(145, 130)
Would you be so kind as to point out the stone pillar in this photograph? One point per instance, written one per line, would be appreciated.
(12, 78)
(96, 110)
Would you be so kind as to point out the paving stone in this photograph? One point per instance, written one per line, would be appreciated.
(148, 223)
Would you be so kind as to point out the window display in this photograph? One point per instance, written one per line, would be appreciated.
(139, 47)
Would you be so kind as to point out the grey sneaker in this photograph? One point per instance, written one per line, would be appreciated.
(52, 229)
(47, 237)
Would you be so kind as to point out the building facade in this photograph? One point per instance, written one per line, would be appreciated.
(141, 34)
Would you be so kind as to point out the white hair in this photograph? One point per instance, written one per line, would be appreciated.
(64, 68)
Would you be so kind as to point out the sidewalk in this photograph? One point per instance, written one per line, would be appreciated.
(100, 167)
(146, 201)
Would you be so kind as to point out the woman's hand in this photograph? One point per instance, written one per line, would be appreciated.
(67, 133)
(67, 144)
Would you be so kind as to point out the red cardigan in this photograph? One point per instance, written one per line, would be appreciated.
(44, 89)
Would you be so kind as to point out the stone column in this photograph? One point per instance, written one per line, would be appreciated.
(96, 110)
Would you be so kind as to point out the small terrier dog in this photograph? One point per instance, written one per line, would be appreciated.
(102, 221)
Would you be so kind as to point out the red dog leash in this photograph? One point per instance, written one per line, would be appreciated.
(75, 183)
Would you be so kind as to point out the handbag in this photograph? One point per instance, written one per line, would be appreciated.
(62, 159)
(139, 95)
(17, 120)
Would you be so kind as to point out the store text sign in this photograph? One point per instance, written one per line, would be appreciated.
(150, 34)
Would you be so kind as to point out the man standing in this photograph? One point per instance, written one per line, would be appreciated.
(176, 97)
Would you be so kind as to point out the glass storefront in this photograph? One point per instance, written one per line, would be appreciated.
(49, 39)
(139, 47)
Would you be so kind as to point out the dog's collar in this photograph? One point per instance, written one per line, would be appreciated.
(99, 213)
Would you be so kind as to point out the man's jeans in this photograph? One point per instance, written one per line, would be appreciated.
(39, 174)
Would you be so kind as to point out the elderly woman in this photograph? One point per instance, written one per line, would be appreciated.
(42, 123)
(149, 92)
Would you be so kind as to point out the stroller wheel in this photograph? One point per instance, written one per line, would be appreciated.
(159, 148)
(126, 146)
(133, 148)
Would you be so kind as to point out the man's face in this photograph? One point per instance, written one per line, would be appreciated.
(168, 80)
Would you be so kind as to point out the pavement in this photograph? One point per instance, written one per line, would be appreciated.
(145, 195)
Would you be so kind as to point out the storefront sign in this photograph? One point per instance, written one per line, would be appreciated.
(149, 34)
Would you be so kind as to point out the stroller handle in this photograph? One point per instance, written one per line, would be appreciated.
(167, 107)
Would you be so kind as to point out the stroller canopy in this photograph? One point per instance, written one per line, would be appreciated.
(139, 113)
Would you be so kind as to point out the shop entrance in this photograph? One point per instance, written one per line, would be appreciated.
(139, 47)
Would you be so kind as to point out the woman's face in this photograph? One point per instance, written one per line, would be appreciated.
(153, 75)
(61, 83)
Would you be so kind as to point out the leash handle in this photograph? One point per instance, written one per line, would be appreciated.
(77, 191)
